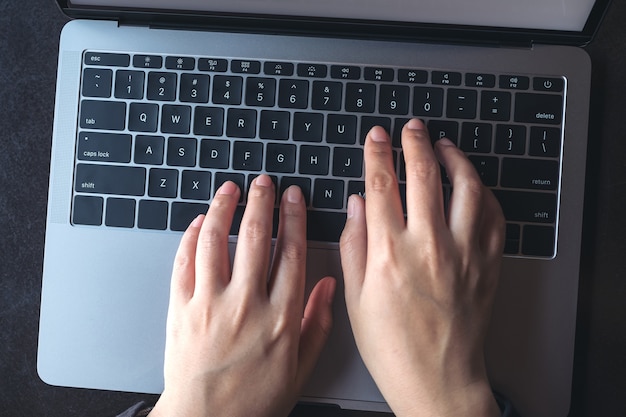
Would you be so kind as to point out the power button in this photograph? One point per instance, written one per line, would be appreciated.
(548, 84)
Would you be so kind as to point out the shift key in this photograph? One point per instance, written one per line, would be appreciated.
(110, 179)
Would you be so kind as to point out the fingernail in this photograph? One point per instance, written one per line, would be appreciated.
(415, 124)
(228, 188)
(263, 181)
(197, 222)
(378, 134)
(293, 194)
(445, 142)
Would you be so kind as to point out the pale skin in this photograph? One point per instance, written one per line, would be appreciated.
(419, 293)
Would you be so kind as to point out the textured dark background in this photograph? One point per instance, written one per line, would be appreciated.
(29, 34)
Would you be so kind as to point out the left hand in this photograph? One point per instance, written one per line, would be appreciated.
(241, 342)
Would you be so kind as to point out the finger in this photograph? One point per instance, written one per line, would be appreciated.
(424, 195)
(212, 256)
(466, 201)
(288, 273)
(252, 256)
(184, 271)
(382, 197)
(316, 326)
(353, 248)
(493, 227)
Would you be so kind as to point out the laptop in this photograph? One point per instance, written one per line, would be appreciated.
(159, 102)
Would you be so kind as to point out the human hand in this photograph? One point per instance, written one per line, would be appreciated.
(241, 343)
(419, 292)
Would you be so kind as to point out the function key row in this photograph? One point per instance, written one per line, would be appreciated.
(312, 70)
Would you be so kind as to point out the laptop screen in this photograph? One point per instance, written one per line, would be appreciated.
(559, 15)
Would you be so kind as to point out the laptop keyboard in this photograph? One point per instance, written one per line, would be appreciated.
(157, 135)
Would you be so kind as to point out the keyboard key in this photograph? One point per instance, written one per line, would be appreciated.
(241, 123)
(214, 153)
(87, 210)
(105, 147)
(175, 119)
(538, 108)
(327, 95)
(106, 59)
(394, 99)
(222, 177)
(143, 117)
(213, 64)
(308, 127)
(443, 129)
(360, 97)
(162, 86)
(510, 139)
(548, 84)
(427, 101)
(260, 92)
(227, 90)
(523, 206)
(480, 80)
(293, 94)
(245, 66)
(341, 128)
(120, 212)
(348, 162)
(302, 182)
(328, 194)
(368, 122)
(396, 133)
(208, 121)
(476, 137)
(195, 185)
(152, 215)
(110, 179)
(461, 104)
(274, 125)
(107, 115)
(194, 88)
(285, 69)
(129, 84)
(514, 82)
(345, 72)
(312, 70)
(247, 156)
(512, 240)
(149, 149)
(446, 78)
(184, 213)
(538, 241)
(147, 61)
(314, 160)
(532, 174)
(163, 183)
(355, 187)
(97, 82)
(487, 168)
(495, 105)
(281, 158)
(324, 226)
(412, 76)
(379, 74)
(180, 63)
(181, 152)
(545, 141)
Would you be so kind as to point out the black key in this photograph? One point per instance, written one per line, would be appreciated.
(120, 212)
(97, 82)
(538, 108)
(143, 117)
(522, 206)
(368, 122)
(281, 158)
(355, 187)
(513, 236)
(213, 64)
(245, 66)
(439, 129)
(149, 149)
(348, 162)
(196, 185)
(314, 160)
(545, 141)
(476, 137)
(129, 84)
(152, 215)
(227, 89)
(345, 72)
(480, 80)
(548, 84)
(274, 125)
(248, 156)
(87, 210)
(360, 97)
(379, 74)
(260, 92)
(427, 101)
(514, 82)
(495, 105)
(446, 78)
(487, 168)
(538, 241)
(162, 86)
(163, 183)
(394, 99)
(302, 182)
(105, 147)
(175, 119)
(184, 213)
(532, 174)
(108, 115)
(293, 94)
(208, 121)
(461, 104)
(327, 95)
(285, 69)
(222, 177)
(194, 88)
(396, 134)
(328, 194)
(510, 139)
(324, 226)
(147, 61)
(214, 153)
(312, 70)
(241, 123)
(308, 127)
(181, 152)
(110, 179)
(341, 128)
(412, 76)
(180, 63)
(106, 59)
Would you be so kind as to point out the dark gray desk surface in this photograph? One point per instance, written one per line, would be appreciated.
(29, 33)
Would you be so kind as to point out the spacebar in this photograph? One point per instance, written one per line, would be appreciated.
(325, 226)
